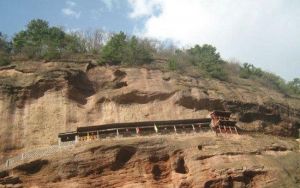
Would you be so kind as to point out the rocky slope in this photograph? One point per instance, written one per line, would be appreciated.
(39, 100)
(199, 160)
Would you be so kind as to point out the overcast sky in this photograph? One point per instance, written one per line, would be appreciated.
(265, 33)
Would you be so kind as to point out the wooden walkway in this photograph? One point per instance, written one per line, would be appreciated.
(134, 128)
(54, 149)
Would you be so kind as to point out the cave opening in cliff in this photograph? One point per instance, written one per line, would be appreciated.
(123, 156)
(181, 166)
(156, 172)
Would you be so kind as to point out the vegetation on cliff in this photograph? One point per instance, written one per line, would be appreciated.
(39, 41)
(127, 50)
(4, 50)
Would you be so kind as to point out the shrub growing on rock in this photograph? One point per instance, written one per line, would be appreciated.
(172, 64)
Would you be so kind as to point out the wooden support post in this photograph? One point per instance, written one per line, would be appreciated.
(175, 129)
(117, 132)
(226, 133)
(213, 129)
(193, 128)
(59, 141)
(155, 128)
(220, 129)
(236, 130)
(97, 134)
(225, 129)
(230, 129)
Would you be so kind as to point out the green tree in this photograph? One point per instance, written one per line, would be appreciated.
(5, 46)
(32, 39)
(294, 86)
(208, 59)
(138, 52)
(126, 50)
(114, 50)
(131, 51)
(41, 41)
(248, 70)
(205, 54)
(4, 50)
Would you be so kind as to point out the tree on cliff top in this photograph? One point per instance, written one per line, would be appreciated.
(5, 48)
(207, 58)
(114, 50)
(126, 50)
(294, 86)
(41, 41)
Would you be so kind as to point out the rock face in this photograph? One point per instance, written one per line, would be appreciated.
(39, 100)
(168, 161)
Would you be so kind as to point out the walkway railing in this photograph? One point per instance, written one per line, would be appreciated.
(38, 153)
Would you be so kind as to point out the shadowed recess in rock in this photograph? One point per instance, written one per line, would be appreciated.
(123, 156)
(180, 166)
(156, 172)
(32, 167)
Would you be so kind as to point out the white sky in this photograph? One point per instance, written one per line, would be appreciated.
(265, 33)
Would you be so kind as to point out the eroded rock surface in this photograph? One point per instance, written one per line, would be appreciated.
(168, 161)
(40, 100)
